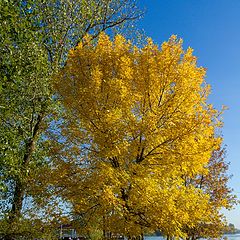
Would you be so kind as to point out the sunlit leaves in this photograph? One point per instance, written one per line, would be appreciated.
(35, 37)
(147, 124)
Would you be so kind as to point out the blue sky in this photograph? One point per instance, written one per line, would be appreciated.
(212, 29)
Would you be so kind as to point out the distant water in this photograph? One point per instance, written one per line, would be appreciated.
(229, 237)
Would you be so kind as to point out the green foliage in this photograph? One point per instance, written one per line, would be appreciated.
(24, 95)
(35, 37)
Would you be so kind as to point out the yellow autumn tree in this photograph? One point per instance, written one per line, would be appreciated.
(215, 183)
(140, 124)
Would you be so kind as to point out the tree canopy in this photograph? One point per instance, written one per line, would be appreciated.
(139, 125)
(97, 132)
(35, 39)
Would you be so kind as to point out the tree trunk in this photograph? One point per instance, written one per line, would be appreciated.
(19, 189)
(17, 201)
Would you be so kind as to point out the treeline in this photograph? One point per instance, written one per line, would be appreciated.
(231, 229)
(96, 131)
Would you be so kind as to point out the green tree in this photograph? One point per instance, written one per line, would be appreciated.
(35, 38)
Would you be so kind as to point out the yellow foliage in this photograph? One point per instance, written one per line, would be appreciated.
(146, 121)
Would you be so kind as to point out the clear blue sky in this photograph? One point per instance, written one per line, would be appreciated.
(212, 29)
